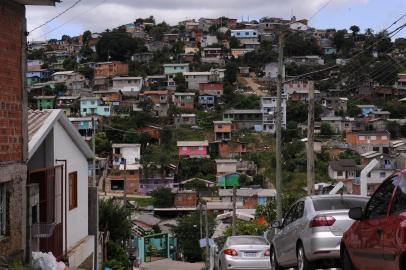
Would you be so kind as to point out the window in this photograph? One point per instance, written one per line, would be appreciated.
(73, 190)
(373, 138)
(330, 203)
(339, 173)
(93, 102)
(378, 204)
(382, 174)
(376, 149)
(361, 138)
(383, 138)
(200, 148)
(399, 201)
(3, 210)
(106, 109)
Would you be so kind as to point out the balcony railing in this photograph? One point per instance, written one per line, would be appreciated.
(42, 230)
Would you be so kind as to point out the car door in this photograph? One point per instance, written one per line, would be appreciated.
(392, 234)
(294, 235)
(368, 249)
(281, 241)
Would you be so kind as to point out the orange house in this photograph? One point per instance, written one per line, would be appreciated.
(367, 141)
(110, 69)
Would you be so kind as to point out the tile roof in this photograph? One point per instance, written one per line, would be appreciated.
(36, 120)
(343, 165)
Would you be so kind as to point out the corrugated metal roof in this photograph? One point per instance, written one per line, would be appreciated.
(35, 121)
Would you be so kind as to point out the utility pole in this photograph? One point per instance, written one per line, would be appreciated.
(310, 141)
(234, 209)
(207, 239)
(279, 128)
(125, 182)
(201, 220)
(96, 240)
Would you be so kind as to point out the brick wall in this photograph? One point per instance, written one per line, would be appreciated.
(12, 21)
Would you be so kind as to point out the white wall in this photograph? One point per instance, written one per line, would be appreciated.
(65, 148)
(131, 153)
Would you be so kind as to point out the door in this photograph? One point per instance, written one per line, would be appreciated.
(392, 230)
(294, 234)
(286, 239)
(367, 247)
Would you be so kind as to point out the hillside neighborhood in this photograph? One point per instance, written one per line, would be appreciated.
(141, 140)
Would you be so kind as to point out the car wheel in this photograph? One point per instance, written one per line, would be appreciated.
(346, 260)
(274, 262)
(302, 262)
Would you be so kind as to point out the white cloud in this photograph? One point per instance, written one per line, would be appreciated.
(98, 15)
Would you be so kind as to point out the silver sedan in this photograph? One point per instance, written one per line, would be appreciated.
(244, 252)
(309, 236)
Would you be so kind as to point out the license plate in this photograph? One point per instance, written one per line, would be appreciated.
(250, 254)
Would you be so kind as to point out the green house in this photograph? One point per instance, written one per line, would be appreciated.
(45, 102)
(229, 180)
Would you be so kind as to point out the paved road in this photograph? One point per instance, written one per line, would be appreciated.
(171, 265)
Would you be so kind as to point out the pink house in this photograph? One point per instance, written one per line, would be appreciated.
(193, 149)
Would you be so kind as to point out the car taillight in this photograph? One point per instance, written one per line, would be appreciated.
(321, 221)
(267, 253)
(231, 252)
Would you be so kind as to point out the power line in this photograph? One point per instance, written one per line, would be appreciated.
(320, 9)
(57, 16)
(73, 18)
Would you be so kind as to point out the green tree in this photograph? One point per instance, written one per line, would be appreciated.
(117, 257)
(86, 37)
(326, 129)
(234, 43)
(114, 218)
(394, 129)
(243, 179)
(187, 234)
(87, 72)
(103, 147)
(230, 75)
(60, 88)
(355, 30)
(118, 46)
(162, 197)
(349, 154)
(181, 84)
(69, 64)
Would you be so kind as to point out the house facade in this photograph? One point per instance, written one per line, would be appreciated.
(173, 69)
(93, 106)
(155, 176)
(110, 69)
(184, 100)
(222, 130)
(194, 79)
(214, 89)
(193, 149)
(245, 118)
(128, 84)
(130, 152)
(58, 169)
(367, 141)
(268, 109)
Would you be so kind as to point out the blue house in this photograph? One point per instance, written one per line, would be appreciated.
(207, 100)
(37, 76)
(172, 69)
(367, 109)
(94, 106)
(244, 33)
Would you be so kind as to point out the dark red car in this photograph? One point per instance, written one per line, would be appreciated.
(377, 240)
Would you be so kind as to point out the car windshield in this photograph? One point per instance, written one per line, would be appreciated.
(249, 240)
(338, 203)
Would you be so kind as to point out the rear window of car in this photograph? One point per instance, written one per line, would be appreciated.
(248, 241)
(339, 203)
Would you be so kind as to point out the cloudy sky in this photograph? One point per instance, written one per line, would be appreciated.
(98, 15)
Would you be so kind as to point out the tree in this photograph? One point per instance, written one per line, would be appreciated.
(86, 37)
(234, 43)
(394, 129)
(349, 154)
(230, 75)
(162, 197)
(355, 30)
(181, 84)
(103, 147)
(114, 218)
(117, 257)
(326, 129)
(118, 45)
(60, 88)
(243, 179)
(187, 234)
(69, 63)
(87, 72)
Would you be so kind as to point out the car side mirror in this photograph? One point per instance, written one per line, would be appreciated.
(276, 224)
(356, 213)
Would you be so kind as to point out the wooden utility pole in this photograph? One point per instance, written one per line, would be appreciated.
(310, 142)
(278, 131)
(207, 239)
(234, 209)
(125, 182)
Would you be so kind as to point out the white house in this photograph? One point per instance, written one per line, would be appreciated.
(128, 84)
(271, 70)
(268, 109)
(58, 164)
(194, 79)
(72, 79)
(130, 152)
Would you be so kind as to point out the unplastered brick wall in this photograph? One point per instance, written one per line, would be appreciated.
(12, 22)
